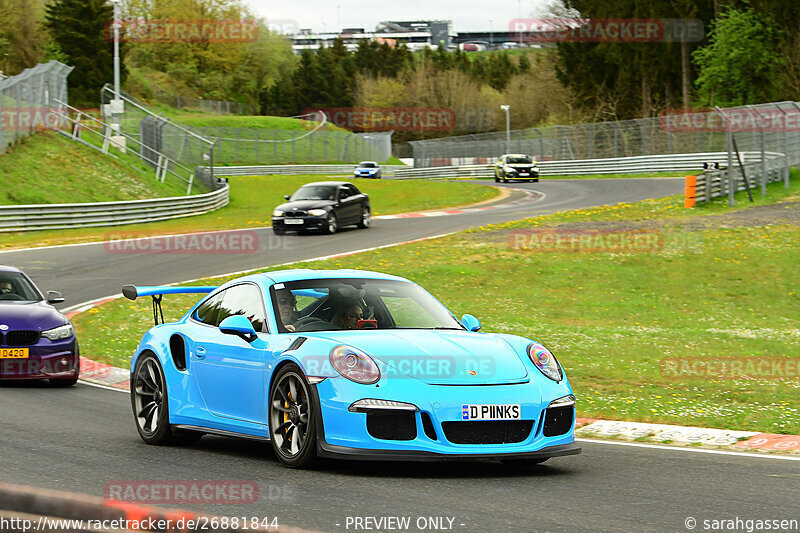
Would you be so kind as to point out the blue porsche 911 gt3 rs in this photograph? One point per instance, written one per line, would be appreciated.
(346, 363)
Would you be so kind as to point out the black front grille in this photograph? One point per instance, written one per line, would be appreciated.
(22, 338)
(392, 425)
(295, 213)
(558, 420)
(487, 431)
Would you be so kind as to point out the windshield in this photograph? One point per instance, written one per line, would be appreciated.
(315, 192)
(14, 287)
(335, 304)
(368, 164)
(519, 160)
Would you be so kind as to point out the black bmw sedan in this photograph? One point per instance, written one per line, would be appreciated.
(322, 206)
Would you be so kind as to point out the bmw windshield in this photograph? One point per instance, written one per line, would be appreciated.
(14, 287)
(315, 192)
(336, 304)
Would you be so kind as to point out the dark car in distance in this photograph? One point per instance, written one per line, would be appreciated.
(322, 206)
(36, 341)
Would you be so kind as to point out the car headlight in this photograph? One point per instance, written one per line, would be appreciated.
(61, 332)
(317, 212)
(511, 170)
(354, 365)
(545, 361)
(277, 213)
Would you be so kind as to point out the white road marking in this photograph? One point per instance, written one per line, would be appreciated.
(693, 450)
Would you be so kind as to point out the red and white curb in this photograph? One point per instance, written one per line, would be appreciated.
(530, 196)
(687, 435)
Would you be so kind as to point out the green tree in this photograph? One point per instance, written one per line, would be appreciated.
(79, 27)
(740, 63)
(22, 41)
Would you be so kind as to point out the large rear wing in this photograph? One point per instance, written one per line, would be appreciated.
(133, 292)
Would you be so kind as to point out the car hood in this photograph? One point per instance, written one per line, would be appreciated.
(37, 316)
(439, 357)
(305, 205)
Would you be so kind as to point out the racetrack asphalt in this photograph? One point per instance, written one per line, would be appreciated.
(82, 438)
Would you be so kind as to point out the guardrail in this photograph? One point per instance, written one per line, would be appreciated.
(60, 216)
(290, 170)
(714, 183)
(618, 165)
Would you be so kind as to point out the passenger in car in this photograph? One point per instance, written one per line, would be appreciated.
(348, 315)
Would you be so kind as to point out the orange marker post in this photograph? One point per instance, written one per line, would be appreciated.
(689, 191)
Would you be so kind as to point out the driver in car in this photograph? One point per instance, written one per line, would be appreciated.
(286, 307)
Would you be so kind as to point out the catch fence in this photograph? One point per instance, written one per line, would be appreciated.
(28, 101)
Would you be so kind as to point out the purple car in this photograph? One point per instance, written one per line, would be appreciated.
(36, 341)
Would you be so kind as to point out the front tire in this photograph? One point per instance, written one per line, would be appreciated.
(150, 404)
(366, 218)
(333, 224)
(292, 419)
(277, 231)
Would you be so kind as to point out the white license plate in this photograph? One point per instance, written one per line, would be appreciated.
(293, 221)
(491, 412)
(524, 174)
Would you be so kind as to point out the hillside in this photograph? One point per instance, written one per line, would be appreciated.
(47, 168)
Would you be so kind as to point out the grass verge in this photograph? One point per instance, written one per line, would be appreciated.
(252, 199)
(611, 319)
(48, 168)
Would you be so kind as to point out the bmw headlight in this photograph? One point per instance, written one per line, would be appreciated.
(61, 332)
(545, 361)
(317, 212)
(354, 364)
(277, 213)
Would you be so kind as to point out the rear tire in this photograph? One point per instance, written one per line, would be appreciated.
(150, 405)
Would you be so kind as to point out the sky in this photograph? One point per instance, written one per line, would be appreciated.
(467, 15)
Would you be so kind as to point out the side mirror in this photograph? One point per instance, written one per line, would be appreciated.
(471, 323)
(238, 325)
(54, 297)
(286, 196)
